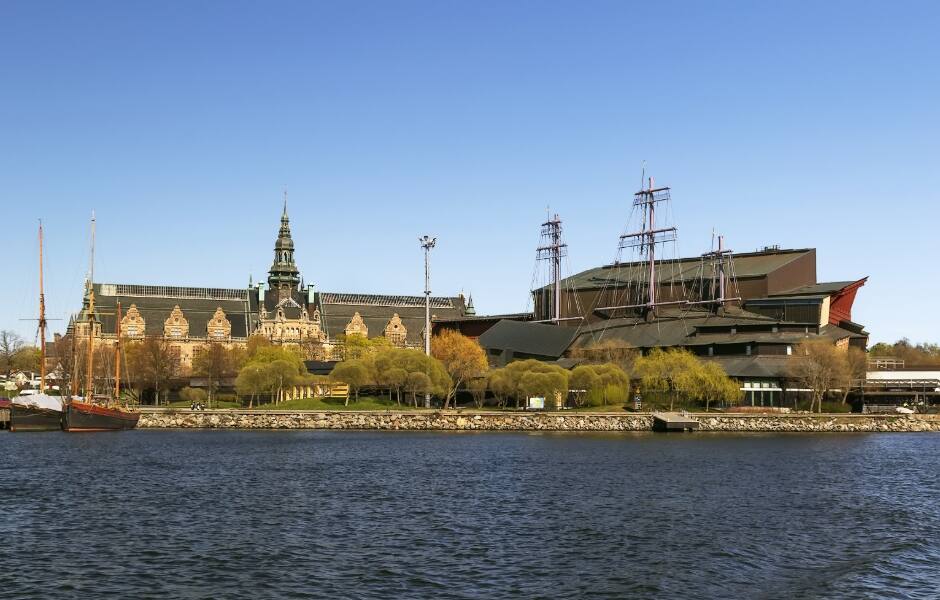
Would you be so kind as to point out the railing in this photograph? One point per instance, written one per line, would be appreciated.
(169, 291)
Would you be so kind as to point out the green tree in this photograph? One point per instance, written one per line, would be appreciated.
(714, 385)
(353, 373)
(600, 384)
(478, 387)
(502, 382)
(193, 395)
(672, 373)
(584, 381)
(254, 380)
(417, 383)
(27, 358)
(268, 371)
(526, 378)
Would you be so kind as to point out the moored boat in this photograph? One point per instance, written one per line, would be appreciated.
(37, 412)
(87, 416)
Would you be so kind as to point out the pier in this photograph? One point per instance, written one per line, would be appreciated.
(671, 421)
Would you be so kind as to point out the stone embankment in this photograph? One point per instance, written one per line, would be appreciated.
(496, 421)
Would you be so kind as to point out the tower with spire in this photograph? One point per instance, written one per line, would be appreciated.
(284, 275)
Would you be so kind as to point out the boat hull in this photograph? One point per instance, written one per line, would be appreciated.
(81, 416)
(32, 418)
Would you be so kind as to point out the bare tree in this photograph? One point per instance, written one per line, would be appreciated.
(820, 367)
(152, 362)
(215, 363)
(10, 345)
(857, 367)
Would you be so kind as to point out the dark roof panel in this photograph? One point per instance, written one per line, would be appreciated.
(528, 338)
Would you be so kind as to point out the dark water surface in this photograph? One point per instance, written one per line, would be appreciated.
(225, 514)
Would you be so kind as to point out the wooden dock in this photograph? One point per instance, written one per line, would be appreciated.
(671, 421)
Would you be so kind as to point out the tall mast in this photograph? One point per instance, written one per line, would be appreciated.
(646, 240)
(553, 250)
(89, 369)
(42, 322)
(652, 247)
(117, 356)
(721, 269)
(73, 350)
(721, 261)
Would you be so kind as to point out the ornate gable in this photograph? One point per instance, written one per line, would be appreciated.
(176, 325)
(219, 327)
(132, 323)
(357, 326)
(395, 331)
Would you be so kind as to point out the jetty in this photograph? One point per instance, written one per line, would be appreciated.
(672, 421)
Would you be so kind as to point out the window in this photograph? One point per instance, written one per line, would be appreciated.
(132, 330)
(176, 332)
(789, 350)
(711, 351)
(747, 350)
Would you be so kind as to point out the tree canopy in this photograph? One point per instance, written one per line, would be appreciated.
(528, 378)
(676, 373)
(820, 367)
(394, 370)
(268, 370)
(462, 357)
(598, 385)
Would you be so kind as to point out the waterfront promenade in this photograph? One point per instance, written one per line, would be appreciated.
(526, 421)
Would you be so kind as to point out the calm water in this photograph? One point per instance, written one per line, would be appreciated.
(200, 514)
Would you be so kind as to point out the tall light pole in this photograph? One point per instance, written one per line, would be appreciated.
(427, 242)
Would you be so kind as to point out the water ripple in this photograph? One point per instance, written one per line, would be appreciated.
(209, 514)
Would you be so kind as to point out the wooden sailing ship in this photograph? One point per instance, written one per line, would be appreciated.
(89, 414)
(38, 412)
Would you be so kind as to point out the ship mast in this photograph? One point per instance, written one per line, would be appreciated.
(721, 265)
(117, 356)
(645, 241)
(553, 250)
(42, 322)
(89, 370)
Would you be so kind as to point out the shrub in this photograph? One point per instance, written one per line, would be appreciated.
(193, 395)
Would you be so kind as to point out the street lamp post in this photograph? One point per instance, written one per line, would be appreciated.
(427, 242)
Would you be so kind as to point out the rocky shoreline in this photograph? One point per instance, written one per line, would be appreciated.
(496, 421)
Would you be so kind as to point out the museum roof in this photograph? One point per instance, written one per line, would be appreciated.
(746, 264)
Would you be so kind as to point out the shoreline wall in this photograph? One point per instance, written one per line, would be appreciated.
(490, 421)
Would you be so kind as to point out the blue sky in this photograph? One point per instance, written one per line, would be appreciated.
(179, 123)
